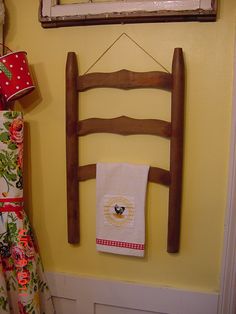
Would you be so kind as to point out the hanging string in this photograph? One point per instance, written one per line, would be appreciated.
(139, 46)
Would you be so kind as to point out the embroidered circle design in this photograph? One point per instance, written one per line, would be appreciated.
(119, 210)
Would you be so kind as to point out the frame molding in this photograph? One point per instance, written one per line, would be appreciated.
(54, 14)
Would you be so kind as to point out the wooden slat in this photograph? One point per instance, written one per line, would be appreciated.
(72, 148)
(125, 79)
(176, 151)
(125, 126)
(87, 172)
(156, 175)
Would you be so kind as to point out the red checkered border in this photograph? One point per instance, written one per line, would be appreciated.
(126, 245)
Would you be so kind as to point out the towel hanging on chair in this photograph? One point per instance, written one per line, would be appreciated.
(121, 194)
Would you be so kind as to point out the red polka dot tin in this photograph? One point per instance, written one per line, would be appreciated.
(15, 78)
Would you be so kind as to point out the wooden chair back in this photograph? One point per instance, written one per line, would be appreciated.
(173, 130)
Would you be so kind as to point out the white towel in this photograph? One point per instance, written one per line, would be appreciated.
(121, 195)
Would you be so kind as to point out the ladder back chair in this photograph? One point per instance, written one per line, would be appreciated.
(173, 130)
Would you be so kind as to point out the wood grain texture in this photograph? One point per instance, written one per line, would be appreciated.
(125, 79)
(124, 126)
(176, 151)
(156, 175)
(72, 148)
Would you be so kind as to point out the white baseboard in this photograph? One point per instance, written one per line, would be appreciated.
(82, 295)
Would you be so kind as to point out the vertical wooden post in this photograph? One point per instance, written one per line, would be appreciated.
(176, 151)
(72, 148)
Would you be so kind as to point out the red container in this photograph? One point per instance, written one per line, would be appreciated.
(15, 79)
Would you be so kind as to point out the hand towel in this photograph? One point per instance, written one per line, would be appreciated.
(120, 201)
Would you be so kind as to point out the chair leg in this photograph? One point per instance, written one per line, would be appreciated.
(72, 149)
(176, 152)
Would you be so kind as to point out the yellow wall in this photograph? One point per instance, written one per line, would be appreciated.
(208, 50)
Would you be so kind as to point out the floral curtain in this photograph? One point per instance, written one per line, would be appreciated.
(23, 287)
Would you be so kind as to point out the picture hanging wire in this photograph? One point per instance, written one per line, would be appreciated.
(135, 42)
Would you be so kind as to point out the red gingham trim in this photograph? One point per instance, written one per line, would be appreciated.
(11, 199)
(127, 245)
(11, 208)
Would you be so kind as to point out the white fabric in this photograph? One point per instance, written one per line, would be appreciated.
(120, 197)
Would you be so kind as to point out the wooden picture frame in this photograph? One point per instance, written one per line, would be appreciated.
(91, 12)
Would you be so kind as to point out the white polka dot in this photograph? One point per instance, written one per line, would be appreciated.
(18, 77)
(7, 83)
(28, 73)
(5, 95)
(17, 56)
(23, 61)
(4, 60)
(21, 68)
(17, 87)
(11, 66)
(27, 83)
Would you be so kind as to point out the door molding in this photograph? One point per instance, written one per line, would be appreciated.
(227, 298)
